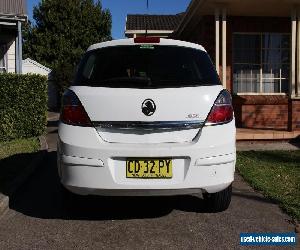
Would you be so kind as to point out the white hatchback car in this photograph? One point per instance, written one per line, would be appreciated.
(147, 116)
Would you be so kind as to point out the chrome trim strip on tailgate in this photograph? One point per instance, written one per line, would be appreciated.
(161, 125)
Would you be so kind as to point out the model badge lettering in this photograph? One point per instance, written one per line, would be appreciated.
(191, 116)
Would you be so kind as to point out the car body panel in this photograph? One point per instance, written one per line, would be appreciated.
(207, 163)
(130, 41)
(172, 104)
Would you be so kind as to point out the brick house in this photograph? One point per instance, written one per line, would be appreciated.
(12, 16)
(258, 43)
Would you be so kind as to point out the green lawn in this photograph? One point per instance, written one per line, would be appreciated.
(14, 156)
(18, 146)
(276, 174)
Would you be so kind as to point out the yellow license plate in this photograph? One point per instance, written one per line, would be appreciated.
(149, 168)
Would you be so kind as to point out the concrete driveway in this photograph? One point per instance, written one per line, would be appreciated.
(37, 218)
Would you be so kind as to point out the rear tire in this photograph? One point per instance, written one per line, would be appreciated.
(218, 202)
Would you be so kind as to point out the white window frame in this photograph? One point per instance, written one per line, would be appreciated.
(261, 78)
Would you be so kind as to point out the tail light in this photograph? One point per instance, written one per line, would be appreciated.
(72, 112)
(222, 110)
(146, 39)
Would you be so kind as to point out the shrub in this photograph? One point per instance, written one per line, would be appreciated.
(23, 106)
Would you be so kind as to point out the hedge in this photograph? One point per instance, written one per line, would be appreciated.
(23, 106)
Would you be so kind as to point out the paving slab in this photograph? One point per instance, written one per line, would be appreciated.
(266, 145)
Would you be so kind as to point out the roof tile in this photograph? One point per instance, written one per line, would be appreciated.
(153, 22)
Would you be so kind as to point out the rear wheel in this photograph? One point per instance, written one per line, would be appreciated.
(218, 202)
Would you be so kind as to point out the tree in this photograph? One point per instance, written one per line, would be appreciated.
(63, 30)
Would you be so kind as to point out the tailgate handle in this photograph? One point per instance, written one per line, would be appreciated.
(161, 125)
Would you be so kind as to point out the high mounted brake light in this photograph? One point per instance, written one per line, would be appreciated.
(72, 112)
(146, 39)
(222, 110)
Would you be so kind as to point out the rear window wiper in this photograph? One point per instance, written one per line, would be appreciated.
(121, 82)
(126, 79)
(184, 83)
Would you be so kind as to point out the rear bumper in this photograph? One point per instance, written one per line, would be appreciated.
(87, 165)
(134, 192)
(84, 180)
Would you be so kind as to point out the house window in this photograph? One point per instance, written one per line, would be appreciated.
(3, 59)
(261, 63)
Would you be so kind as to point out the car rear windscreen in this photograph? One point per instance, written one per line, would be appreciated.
(146, 66)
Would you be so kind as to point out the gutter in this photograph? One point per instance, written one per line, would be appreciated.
(10, 17)
(149, 31)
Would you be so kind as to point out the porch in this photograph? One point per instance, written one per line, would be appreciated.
(256, 50)
(12, 16)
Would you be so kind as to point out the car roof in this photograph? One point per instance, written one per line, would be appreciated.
(130, 42)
